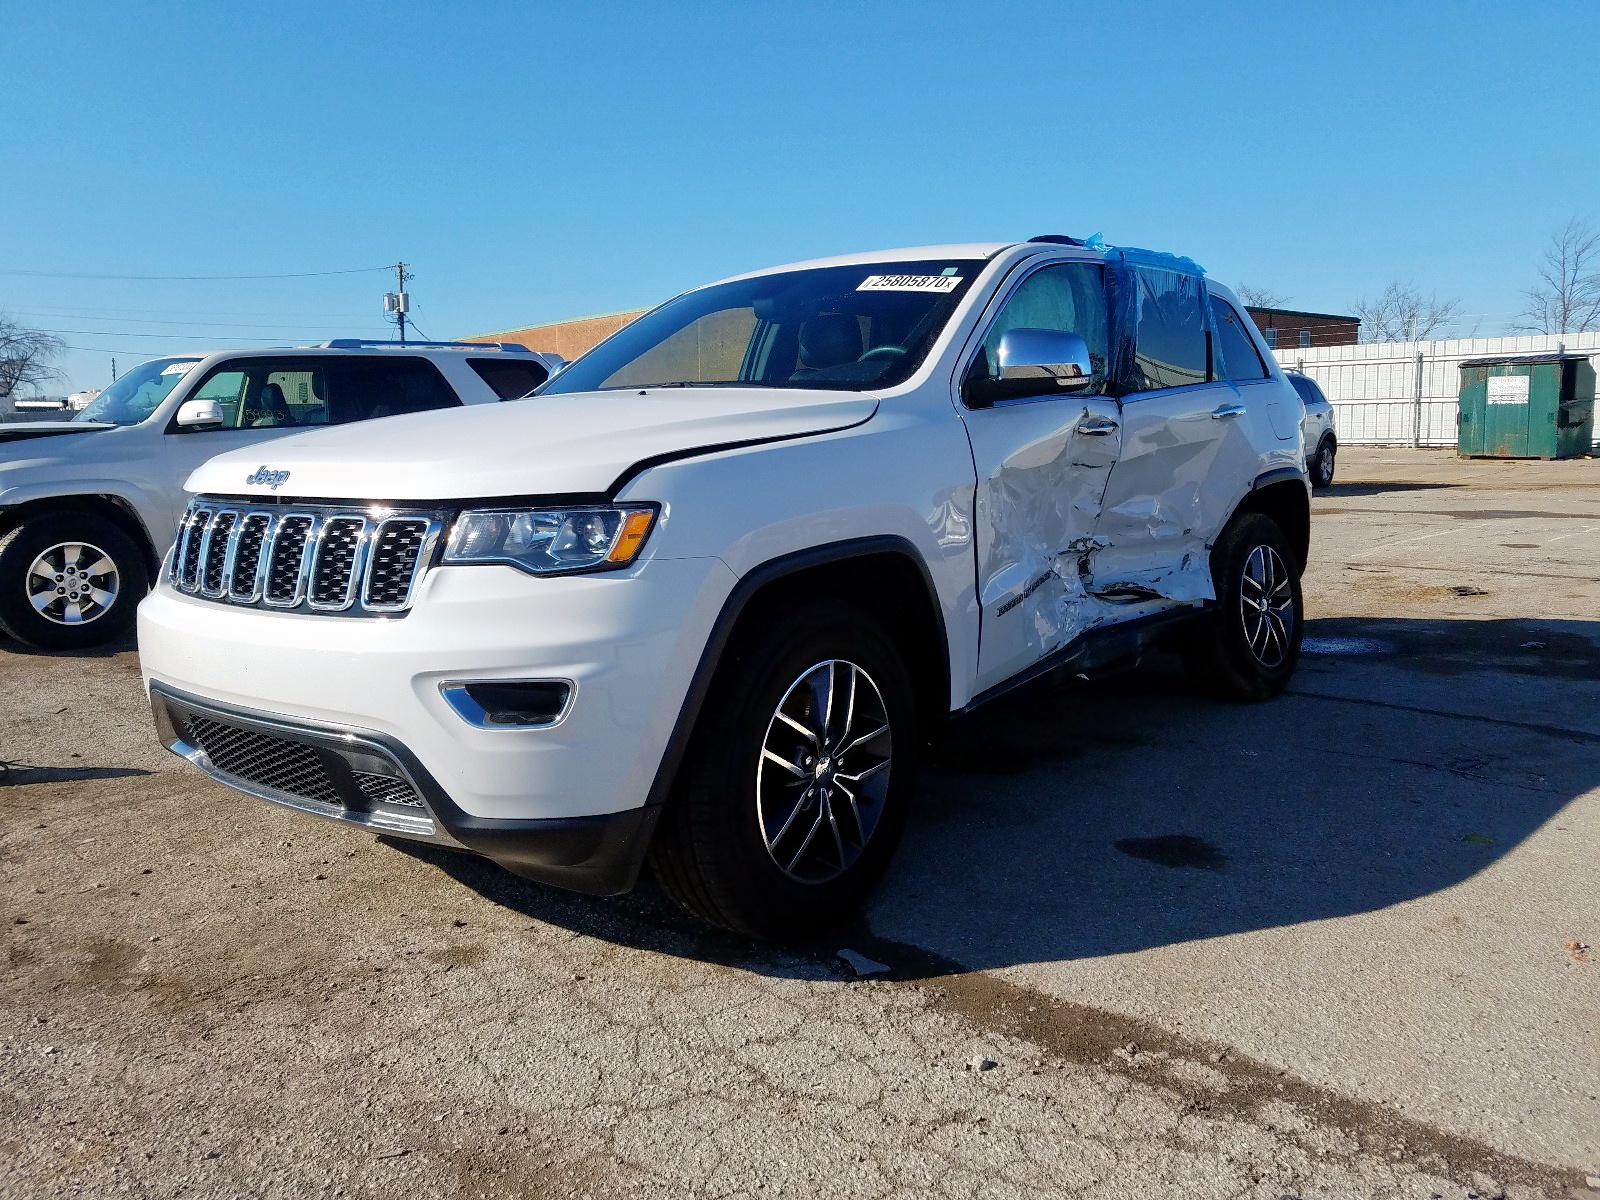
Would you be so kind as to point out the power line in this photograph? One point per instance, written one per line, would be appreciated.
(139, 333)
(207, 324)
(95, 313)
(148, 353)
(189, 278)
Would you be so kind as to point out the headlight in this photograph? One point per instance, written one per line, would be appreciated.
(551, 541)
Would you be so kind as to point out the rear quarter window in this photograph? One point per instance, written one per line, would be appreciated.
(1240, 358)
(509, 377)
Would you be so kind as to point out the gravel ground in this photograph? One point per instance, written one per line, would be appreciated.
(1129, 953)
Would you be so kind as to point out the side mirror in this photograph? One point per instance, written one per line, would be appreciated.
(199, 414)
(1033, 362)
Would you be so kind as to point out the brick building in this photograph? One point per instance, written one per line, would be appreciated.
(567, 338)
(1285, 328)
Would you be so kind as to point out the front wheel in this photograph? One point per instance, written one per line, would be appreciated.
(69, 580)
(1246, 646)
(795, 787)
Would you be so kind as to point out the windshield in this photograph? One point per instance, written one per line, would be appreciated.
(855, 328)
(139, 393)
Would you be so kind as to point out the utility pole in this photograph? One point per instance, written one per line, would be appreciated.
(398, 302)
(113, 370)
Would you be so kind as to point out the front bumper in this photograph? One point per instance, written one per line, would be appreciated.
(358, 729)
(363, 778)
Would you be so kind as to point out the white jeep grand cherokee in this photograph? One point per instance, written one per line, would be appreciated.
(704, 597)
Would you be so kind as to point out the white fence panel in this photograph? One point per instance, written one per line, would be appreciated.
(1404, 393)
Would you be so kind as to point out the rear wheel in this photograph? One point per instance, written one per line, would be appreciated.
(1246, 646)
(69, 580)
(795, 787)
(1322, 464)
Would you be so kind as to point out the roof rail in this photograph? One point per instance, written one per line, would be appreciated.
(357, 343)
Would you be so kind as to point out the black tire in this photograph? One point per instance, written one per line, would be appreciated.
(1321, 469)
(125, 584)
(711, 854)
(1236, 651)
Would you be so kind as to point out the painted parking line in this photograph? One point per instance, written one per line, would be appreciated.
(1565, 536)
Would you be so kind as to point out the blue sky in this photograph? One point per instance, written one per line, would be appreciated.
(537, 161)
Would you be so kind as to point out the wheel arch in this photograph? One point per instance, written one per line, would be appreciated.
(113, 508)
(884, 574)
(1284, 496)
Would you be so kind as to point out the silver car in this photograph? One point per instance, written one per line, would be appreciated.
(1322, 442)
(88, 506)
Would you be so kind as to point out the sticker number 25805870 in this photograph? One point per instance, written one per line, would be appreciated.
(909, 283)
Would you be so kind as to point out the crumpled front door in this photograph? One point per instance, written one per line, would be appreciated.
(1042, 468)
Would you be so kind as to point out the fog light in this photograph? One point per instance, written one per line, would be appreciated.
(510, 703)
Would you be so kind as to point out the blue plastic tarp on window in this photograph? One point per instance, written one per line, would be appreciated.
(1162, 317)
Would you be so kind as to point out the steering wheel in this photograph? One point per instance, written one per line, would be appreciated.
(883, 354)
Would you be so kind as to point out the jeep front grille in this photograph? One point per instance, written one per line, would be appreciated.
(334, 559)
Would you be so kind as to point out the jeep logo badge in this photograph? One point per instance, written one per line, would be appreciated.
(272, 479)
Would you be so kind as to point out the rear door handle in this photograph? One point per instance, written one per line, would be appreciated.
(1227, 410)
(1097, 427)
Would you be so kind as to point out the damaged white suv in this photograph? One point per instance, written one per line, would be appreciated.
(703, 598)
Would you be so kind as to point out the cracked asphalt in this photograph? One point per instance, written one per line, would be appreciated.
(1139, 943)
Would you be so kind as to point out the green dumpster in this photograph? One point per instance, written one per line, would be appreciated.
(1526, 406)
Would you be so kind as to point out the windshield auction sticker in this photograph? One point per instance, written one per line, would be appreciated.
(910, 283)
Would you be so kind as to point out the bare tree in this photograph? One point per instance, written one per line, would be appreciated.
(1403, 314)
(1567, 297)
(25, 358)
(1260, 297)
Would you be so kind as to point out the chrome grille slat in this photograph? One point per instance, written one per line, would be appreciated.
(191, 545)
(244, 565)
(329, 559)
(336, 570)
(214, 548)
(399, 545)
(288, 561)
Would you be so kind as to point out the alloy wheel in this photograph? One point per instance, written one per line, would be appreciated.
(72, 583)
(823, 775)
(1266, 604)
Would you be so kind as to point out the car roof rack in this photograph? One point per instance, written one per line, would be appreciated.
(1059, 239)
(358, 343)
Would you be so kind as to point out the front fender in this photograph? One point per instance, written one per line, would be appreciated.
(149, 513)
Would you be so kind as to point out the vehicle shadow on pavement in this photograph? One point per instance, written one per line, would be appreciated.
(1379, 488)
(1407, 756)
(14, 773)
(121, 645)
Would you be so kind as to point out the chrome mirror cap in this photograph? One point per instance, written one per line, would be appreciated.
(198, 414)
(1055, 358)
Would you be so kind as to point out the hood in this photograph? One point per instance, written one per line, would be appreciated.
(583, 442)
(19, 431)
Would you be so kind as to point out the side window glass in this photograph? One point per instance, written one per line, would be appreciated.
(227, 389)
(1170, 342)
(509, 377)
(1069, 297)
(1239, 355)
(364, 388)
(303, 394)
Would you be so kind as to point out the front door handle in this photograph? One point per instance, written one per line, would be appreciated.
(1096, 426)
(1227, 410)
